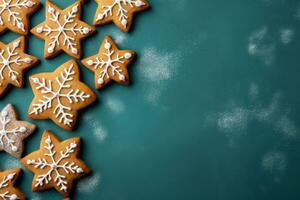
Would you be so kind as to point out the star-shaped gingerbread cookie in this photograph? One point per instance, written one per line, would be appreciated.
(109, 64)
(59, 95)
(13, 63)
(13, 131)
(118, 11)
(7, 189)
(63, 30)
(14, 15)
(55, 164)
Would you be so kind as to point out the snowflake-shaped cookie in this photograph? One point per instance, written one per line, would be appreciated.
(63, 30)
(109, 64)
(7, 189)
(59, 95)
(13, 132)
(55, 164)
(14, 15)
(13, 63)
(118, 11)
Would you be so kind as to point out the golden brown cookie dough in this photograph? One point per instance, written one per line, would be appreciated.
(14, 15)
(55, 164)
(118, 11)
(63, 30)
(13, 131)
(7, 181)
(13, 63)
(109, 64)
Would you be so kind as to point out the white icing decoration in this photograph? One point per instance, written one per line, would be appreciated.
(109, 64)
(14, 8)
(9, 133)
(11, 56)
(6, 195)
(122, 11)
(55, 165)
(61, 111)
(68, 29)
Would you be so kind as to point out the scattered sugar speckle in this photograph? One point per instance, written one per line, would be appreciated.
(260, 44)
(98, 130)
(89, 184)
(286, 36)
(115, 105)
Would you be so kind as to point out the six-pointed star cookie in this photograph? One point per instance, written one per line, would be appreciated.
(118, 11)
(109, 64)
(63, 30)
(13, 63)
(7, 189)
(59, 95)
(14, 15)
(13, 132)
(55, 164)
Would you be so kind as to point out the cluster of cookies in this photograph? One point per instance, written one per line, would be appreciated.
(58, 95)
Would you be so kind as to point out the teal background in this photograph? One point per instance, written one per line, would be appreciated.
(212, 113)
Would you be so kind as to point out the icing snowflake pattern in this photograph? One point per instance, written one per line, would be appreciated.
(110, 63)
(122, 9)
(13, 14)
(59, 95)
(56, 164)
(13, 61)
(12, 131)
(4, 184)
(63, 30)
(7, 191)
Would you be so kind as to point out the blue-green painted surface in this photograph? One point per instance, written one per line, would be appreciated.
(213, 112)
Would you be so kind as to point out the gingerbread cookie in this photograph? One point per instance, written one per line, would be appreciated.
(63, 30)
(7, 189)
(59, 95)
(13, 63)
(118, 11)
(109, 64)
(55, 164)
(14, 15)
(13, 132)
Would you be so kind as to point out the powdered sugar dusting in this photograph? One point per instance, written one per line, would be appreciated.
(99, 132)
(157, 68)
(89, 184)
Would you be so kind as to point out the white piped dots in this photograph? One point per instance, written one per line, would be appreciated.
(128, 55)
(122, 77)
(90, 62)
(100, 81)
(107, 45)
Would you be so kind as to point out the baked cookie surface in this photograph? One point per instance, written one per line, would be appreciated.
(120, 12)
(109, 64)
(13, 63)
(63, 30)
(55, 164)
(13, 132)
(14, 15)
(59, 95)
(7, 181)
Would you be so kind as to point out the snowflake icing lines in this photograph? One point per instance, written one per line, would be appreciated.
(55, 165)
(122, 9)
(15, 10)
(10, 56)
(6, 135)
(4, 186)
(110, 63)
(63, 29)
(58, 94)
(46, 87)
